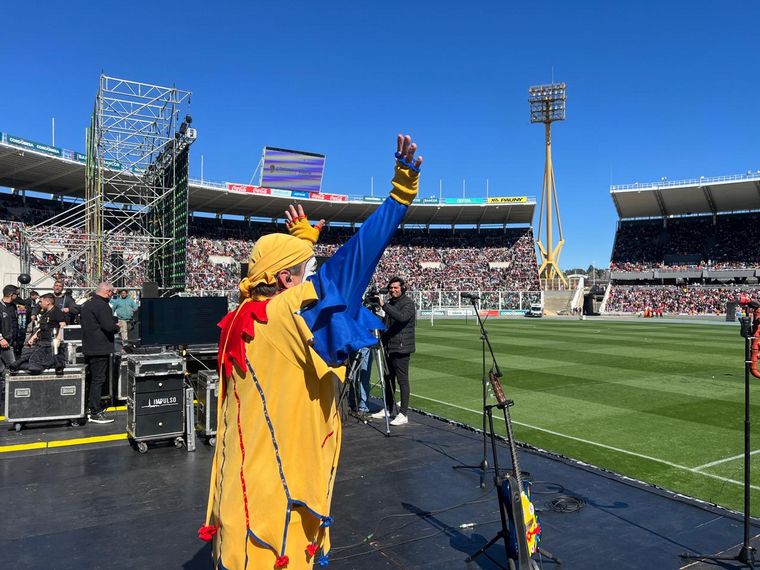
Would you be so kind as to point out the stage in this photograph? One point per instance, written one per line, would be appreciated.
(398, 504)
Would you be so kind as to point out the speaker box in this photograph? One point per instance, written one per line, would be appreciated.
(150, 290)
(731, 312)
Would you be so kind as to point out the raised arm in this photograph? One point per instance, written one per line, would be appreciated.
(338, 321)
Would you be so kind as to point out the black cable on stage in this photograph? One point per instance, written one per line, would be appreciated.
(566, 504)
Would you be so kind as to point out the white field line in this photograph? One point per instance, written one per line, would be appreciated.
(724, 460)
(603, 445)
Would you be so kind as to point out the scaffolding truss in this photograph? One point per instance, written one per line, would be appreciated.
(134, 141)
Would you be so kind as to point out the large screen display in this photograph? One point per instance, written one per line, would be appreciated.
(181, 320)
(292, 169)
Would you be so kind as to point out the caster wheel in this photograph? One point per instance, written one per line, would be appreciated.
(212, 441)
(18, 426)
(142, 447)
(179, 443)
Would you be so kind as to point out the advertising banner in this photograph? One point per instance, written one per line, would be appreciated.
(328, 197)
(507, 199)
(299, 194)
(280, 193)
(248, 189)
(375, 199)
(465, 200)
(430, 200)
(79, 157)
(31, 145)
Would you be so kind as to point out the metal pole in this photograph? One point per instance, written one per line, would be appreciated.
(201, 169)
(53, 131)
(371, 185)
(548, 190)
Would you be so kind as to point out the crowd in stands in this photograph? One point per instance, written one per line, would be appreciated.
(435, 259)
(688, 243)
(443, 261)
(675, 299)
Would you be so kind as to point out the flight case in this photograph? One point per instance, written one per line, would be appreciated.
(206, 394)
(156, 399)
(44, 397)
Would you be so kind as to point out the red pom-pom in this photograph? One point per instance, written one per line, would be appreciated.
(312, 548)
(282, 561)
(207, 532)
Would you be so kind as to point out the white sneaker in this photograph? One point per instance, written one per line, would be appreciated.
(400, 420)
(379, 415)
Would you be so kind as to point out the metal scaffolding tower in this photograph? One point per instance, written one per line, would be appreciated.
(547, 104)
(136, 167)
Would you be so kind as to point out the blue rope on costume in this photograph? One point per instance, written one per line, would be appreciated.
(405, 162)
(327, 521)
(271, 428)
(324, 560)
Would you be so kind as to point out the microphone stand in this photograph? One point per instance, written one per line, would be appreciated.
(746, 555)
(483, 465)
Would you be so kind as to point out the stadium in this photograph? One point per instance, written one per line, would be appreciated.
(630, 392)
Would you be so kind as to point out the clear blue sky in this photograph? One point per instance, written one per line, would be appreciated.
(654, 89)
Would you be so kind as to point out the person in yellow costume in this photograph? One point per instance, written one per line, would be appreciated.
(279, 433)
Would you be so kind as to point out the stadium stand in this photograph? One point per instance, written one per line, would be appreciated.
(694, 262)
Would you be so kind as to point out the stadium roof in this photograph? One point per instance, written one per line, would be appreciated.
(42, 168)
(683, 197)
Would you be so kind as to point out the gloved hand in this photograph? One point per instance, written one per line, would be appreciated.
(405, 183)
(298, 225)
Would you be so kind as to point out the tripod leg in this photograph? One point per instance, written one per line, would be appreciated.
(546, 554)
(485, 547)
(380, 359)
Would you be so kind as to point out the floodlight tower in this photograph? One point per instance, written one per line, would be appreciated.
(547, 104)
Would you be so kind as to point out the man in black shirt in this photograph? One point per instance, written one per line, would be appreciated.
(8, 327)
(98, 329)
(65, 302)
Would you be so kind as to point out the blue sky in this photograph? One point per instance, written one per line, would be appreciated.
(654, 89)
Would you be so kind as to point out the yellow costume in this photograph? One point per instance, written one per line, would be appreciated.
(278, 434)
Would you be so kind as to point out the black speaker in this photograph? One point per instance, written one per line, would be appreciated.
(243, 270)
(150, 290)
(731, 312)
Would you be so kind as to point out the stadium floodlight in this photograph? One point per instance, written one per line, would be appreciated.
(547, 104)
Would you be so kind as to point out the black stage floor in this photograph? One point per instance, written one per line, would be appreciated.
(106, 506)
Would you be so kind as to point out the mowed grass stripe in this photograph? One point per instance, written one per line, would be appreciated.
(586, 388)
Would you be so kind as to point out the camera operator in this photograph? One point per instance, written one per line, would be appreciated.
(65, 302)
(398, 340)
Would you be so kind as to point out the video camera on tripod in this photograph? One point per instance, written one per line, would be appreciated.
(371, 298)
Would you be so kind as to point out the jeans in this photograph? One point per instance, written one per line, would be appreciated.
(360, 387)
(398, 372)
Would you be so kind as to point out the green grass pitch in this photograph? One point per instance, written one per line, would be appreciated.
(658, 401)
